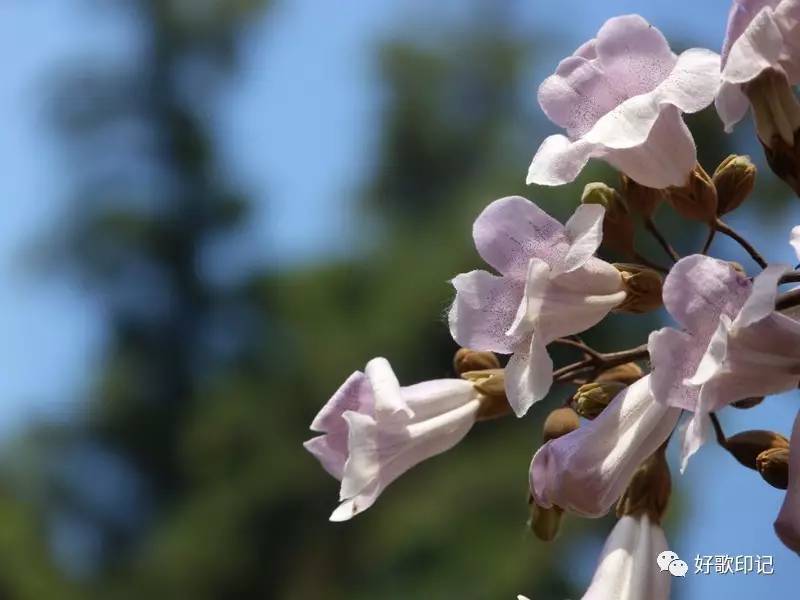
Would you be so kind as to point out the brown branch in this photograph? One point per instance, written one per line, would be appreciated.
(712, 231)
(603, 361)
(748, 247)
(650, 226)
(792, 277)
(580, 345)
(721, 439)
(788, 299)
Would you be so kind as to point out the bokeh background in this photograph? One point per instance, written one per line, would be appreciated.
(214, 211)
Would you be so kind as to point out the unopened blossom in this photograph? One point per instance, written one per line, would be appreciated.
(374, 430)
(734, 344)
(620, 98)
(787, 525)
(550, 285)
(761, 35)
(587, 470)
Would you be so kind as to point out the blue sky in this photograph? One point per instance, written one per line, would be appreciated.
(303, 161)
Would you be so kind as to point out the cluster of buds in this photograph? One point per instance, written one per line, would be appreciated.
(735, 340)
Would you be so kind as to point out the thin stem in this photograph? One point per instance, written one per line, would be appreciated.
(748, 247)
(712, 231)
(600, 362)
(580, 345)
(650, 226)
(721, 439)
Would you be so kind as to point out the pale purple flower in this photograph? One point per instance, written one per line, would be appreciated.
(627, 569)
(787, 525)
(550, 285)
(734, 344)
(620, 97)
(374, 430)
(761, 35)
(587, 470)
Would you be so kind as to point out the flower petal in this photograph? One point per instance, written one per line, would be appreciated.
(529, 376)
(559, 160)
(585, 232)
(511, 231)
(627, 569)
(635, 55)
(665, 159)
(674, 356)
(787, 525)
(430, 398)
(484, 310)
(699, 288)
(389, 401)
(694, 433)
(690, 87)
(756, 49)
(761, 302)
(354, 394)
(794, 240)
(331, 451)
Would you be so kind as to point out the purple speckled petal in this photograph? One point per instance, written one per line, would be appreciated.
(484, 309)
(698, 289)
(511, 231)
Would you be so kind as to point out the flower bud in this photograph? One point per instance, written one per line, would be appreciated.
(777, 115)
(734, 180)
(649, 489)
(544, 522)
(467, 359)
(618, 226)
(747, 402)
(560, 422)
(591, 398)
(747, 445)
(696, 199)
(641, 199)
(627, 374)
(642, 288)
(773, 464)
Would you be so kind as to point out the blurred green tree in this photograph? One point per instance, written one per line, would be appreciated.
(186, 478)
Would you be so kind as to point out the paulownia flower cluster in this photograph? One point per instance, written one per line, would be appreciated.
(735, 336)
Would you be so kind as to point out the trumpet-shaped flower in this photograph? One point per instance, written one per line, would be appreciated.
(620, 97)
(627, 569)
(787, 525)
(374, 430)
(734, 344)
(550, 286)
(586, 470)
(761, 35)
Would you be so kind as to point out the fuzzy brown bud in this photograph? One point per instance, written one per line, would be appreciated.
(467, 359)
(641, 199)
(642, 288)
(747, 445)
(734, 180)
(649, 489)
(628, 373)
(696, 199)
(618, 226)
(544, 522)
(560, 422)
(591, 398)
(773, 464)
(747, 402)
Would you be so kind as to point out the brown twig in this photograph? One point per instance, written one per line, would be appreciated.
(580, 345)
(650, 226)
(600, 362)
(788, 299)
(792, 277)
(748, 247)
